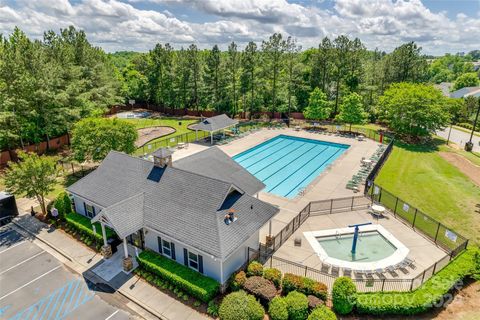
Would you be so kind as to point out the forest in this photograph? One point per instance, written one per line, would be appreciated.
(47, 85)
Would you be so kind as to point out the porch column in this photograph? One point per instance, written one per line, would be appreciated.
(211, 137)
(125, 248)
(104, 234)
(196, 135)
(270, 227)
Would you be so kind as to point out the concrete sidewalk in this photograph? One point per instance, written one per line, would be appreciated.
(82, 259)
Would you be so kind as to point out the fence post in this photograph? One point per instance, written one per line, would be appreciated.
(414, 218)
(380, 194)
(436, 233)
(411, 284)
(396, 203)
(434, 268)
(305, 271)
(423, 276)
(351, 207)
(331, 206)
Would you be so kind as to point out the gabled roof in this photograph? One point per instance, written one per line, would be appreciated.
(183, 205)
(214, 163)
(216, 123)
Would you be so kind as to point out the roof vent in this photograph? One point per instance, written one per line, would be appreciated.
(230, 217)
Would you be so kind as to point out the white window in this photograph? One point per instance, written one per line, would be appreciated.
(193, 260)
(90, 211)
(167, 248)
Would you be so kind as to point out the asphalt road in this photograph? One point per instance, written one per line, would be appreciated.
(460, 138)
(35, 285)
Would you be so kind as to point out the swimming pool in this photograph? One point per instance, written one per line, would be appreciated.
(287, 164)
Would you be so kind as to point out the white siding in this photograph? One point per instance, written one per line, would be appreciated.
(211, 266)
(79, 205)
(240, 256)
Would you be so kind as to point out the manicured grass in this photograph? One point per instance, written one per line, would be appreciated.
(180, 125)
(421, 177)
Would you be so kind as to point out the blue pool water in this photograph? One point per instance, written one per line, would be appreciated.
(287, 164)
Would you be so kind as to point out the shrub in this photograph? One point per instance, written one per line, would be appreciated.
(212, 308)
(83, 225)
(297, 305)
(307, 286)
(238, 281)
(322, 313)
(195, 284)
(240, 306)
(261, 288)
(344, 294)
(277, 309)
(255, 268)
(423, 298)
(314, 302)
(273, 275)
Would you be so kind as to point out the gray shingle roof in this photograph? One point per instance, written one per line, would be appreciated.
(184, 205)
(214, 163)
(216, 123)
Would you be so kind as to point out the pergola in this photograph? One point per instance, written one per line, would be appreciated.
(214, 124)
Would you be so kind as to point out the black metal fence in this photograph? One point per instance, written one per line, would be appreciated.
(440, 234)
(376, 169)
(368, 284)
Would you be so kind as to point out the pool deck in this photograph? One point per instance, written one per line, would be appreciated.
(422, 251)
(329, 184)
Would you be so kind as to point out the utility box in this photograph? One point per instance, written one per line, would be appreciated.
(8, 208)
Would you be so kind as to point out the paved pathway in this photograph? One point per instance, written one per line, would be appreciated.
(460, 138)
(83, 260)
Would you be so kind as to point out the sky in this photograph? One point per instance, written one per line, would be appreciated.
(438, 26)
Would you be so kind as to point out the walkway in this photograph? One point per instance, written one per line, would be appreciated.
(83, 260)
(460, 138)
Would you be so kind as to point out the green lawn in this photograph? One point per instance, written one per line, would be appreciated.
(421, 177)
(180, 125)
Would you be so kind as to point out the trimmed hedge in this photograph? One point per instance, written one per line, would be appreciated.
(195, 284)
(255, 268)
(426, 296)
(322, 313)
(297, 305)
(344, 294)
(83, 225)
(278, 309)
(238, 281)
(240, 306)
(273, 275)
(261, 288)
(307, 286)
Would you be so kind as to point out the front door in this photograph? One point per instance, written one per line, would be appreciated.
(136, 239)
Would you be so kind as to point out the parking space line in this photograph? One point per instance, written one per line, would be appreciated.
(31, 281)
(22, 262)
(16, 244)
(110, 316)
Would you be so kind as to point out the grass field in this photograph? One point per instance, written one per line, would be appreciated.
(421, 177)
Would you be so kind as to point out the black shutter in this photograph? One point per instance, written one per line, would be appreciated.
(93, 209)
(159, 240)
(85, 209)
(185, 257)
(200, 264)
(172, 249)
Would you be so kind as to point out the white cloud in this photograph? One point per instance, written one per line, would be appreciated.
(116, 25)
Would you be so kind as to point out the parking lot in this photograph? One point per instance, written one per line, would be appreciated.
(35, 285)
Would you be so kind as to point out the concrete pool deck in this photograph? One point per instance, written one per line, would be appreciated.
(422, 251)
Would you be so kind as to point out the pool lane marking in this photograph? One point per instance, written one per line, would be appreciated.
(271, 154)
(312, 172)
(30, 282)
(22, 262)
(270, 164)
(258, 151)
(113, 314)
(290, 162)
(258, 146)
(299, 168)
(11, 247)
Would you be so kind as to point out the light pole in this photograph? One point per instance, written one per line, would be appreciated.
(469, 144)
